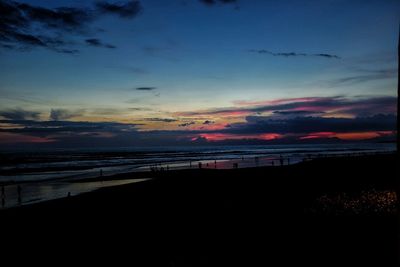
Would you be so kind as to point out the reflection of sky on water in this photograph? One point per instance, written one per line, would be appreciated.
(38, 192)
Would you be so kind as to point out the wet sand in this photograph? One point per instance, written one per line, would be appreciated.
(249, 217)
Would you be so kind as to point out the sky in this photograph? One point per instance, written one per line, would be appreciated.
(185, 72)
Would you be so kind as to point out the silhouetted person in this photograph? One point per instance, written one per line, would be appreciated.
(273, 163)
(288, 161)
(281, 160)
(215, 163)
(69, 194)
(101, 172)
(200, 165)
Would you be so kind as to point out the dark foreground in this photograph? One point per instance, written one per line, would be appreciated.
(272, 216)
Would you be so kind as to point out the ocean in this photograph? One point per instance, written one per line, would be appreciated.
(44, 175)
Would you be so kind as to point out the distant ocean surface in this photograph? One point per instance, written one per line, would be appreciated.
(23, 166)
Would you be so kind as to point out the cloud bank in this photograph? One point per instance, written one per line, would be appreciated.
(291, 120)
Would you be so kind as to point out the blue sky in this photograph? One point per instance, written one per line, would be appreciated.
(196, 57)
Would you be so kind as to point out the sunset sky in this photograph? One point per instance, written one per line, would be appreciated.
(156, 72)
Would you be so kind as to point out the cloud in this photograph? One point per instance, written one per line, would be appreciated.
(124, 10)
(24, 26)
(293, 54)
(46, 128)
(279, 120)
(140, 109)
(305, 125)
(66, 18)
(146, 88)
(213, 2)
(186, 124)
(369, 76)
(359, 106)
(297, 112)
(19, 114)
(261, 128)
(63, 114)
(161, 120)
(98, 43)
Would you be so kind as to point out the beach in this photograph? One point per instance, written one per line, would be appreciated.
(327, 210)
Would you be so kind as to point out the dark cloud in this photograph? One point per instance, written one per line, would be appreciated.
(304, 125)
(65, 18)
(293, 54)
(286, 114)
(360, 106)
(186, 124)
(63, 114)
(296, 112)
(98, 43)
(7, 46)
(86, 134)
(146, 88)
(213, 2)
(19, 114)
(161, 120)
(46, 128)
(207, 122)
(129, 9)
(20, 24)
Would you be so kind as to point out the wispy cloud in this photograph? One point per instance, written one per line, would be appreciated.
(146, 88)
(98, 43)
(293, 54)
(369, 75)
